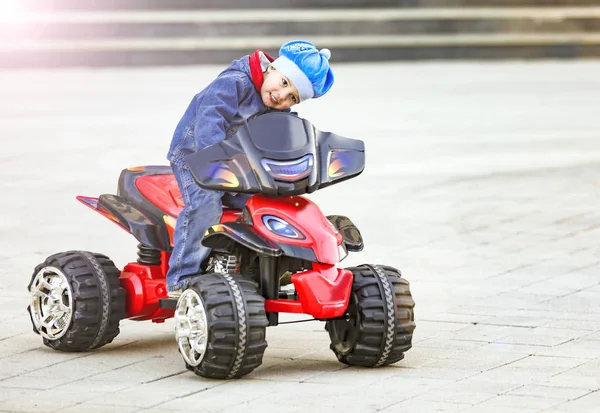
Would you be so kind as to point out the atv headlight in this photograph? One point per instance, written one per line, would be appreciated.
(289, 170)
(280, 227)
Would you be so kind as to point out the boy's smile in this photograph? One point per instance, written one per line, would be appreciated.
(277, 91)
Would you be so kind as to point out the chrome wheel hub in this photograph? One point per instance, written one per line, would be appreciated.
(51, 304)
(191, 327)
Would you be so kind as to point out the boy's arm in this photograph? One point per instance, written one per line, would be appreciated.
(216, 108)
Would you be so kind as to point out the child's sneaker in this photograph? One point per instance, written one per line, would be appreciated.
(175, 293)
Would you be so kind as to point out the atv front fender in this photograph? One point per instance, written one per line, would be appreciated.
(350, 233)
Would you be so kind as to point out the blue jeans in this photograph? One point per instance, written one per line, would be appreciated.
(202, 209)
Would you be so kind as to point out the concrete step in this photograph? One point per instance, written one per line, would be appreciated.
(80, 26)
(197, 50)
(284, 4)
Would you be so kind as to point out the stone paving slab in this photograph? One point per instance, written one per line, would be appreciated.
(481, 185)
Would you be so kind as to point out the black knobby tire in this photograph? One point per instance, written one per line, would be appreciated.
(237, 325)
(378, 326)
(98, 300)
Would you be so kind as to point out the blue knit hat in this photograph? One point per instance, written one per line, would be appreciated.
(307, 68)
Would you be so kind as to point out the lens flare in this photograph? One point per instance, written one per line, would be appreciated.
(12, 11)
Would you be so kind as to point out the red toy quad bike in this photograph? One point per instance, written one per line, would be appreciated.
(277, 255)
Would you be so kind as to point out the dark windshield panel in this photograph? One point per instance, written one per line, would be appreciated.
(277, 154)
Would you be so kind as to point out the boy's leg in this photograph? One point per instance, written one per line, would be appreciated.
(202, 209)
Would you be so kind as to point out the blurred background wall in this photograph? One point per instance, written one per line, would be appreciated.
(54, 33)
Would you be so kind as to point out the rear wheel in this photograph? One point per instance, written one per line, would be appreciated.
(378, 325)
(76, 301)
(220, 326)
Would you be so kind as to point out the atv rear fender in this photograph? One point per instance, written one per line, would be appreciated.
(143, 226)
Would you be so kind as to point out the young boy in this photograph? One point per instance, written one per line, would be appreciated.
(249, 87)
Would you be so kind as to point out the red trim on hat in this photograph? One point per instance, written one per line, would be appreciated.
(256, 69)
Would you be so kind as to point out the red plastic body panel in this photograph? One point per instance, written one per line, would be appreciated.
(323, 292)
(162, 191)
(305, 216)
(230, 215)
(145, 285)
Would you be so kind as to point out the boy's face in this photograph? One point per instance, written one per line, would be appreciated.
(277, 91)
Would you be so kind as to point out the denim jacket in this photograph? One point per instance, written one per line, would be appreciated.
(217, 111)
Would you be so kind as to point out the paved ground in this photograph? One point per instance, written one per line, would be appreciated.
(482, 185)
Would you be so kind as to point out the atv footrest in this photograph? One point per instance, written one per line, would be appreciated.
(167, 303)
(288, 295)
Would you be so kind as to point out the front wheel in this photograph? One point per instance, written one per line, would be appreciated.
(220, 326)
(378, 325)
